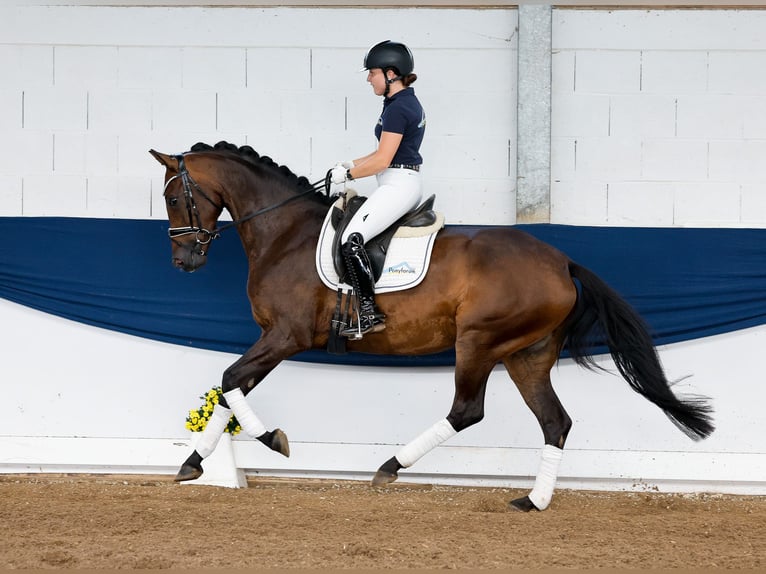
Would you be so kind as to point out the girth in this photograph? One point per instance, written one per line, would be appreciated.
(377, 247)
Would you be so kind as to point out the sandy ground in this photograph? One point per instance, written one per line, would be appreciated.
(150, 522)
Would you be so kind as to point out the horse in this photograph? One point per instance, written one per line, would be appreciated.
(494, 295)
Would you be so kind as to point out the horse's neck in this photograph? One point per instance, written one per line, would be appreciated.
(248, 191)
(297, 222)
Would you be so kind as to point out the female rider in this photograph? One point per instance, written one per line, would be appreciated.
(395, 163)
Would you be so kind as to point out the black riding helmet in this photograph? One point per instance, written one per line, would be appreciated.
(388, 54)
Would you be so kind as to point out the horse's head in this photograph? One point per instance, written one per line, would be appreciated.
(192, 213)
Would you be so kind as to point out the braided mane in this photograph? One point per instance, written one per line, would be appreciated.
(247, 153)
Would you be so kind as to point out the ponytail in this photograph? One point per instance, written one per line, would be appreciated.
(409, 79)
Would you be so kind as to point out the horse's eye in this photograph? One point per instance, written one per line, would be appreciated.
(172, 201)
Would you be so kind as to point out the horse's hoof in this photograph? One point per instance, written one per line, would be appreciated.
(279, 443)
(188, 472)
(191, 468)
(387, 473)
(383, 478)
(522, 504)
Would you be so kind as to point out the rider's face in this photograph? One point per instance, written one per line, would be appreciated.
(377, 80)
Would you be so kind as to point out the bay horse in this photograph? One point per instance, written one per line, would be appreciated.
(496, 295)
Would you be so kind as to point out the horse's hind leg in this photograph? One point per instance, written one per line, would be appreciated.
(530, 370)
(467, 409)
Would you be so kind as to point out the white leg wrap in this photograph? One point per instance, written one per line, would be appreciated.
(245, 415)
(213, 430)
(426, 442)
(546, 477)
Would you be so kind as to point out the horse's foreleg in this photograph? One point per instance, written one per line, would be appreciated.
(531, 373)
(276, 440)
(192, 466)
(239, 379)
(245, 374)
(467, 409)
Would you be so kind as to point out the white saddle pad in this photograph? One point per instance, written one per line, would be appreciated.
(406, 261)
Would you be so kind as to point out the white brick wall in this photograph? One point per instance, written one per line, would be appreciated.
(645, 203)
(662, 110)
(667, 72)
(575, 115)
(46, 195)
(26, 152)
(53, 109)
(28, 66)
(646, 103)
(10, 195)
(641, 116)
(118, 111)
(736, 72)
(87, 91)
(151, 68)
(753, 204)
(11, 115)
(608, 72)
(741, 160)
(674, 160)
(85, 66)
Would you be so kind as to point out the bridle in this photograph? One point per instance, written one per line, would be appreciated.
(204, 236)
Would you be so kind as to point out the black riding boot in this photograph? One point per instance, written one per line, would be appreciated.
(359, 271)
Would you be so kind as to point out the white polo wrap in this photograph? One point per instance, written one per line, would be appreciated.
(426, 442)
(213, 430)
(245, 415)
(546, 477)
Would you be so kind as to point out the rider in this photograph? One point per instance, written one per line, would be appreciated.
(395, 163)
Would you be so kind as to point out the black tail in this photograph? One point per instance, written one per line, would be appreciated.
(603, 317)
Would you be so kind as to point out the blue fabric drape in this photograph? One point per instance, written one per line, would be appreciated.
(116, 274)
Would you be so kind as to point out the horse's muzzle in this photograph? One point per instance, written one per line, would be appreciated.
(188, 260)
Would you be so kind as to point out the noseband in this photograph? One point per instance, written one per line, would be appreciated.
(203, 236)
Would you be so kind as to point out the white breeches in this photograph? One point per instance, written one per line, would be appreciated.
(399, 191)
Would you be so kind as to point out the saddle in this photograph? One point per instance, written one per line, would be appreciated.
(377, 247)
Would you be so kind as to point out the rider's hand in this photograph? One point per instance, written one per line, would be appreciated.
(347, 164)
(338, 174)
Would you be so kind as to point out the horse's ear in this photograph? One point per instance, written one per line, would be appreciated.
(167, 160)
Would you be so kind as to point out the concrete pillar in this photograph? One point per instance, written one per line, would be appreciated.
(533, 140)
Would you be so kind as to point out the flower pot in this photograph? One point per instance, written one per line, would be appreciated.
(220, 468)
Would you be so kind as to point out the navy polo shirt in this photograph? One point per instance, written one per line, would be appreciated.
(403, 114)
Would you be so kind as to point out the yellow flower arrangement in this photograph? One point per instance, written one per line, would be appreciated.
(197, 419)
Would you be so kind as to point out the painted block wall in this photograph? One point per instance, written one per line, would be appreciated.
(87, 91)
(659, 118)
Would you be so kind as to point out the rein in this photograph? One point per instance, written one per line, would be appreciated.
(204, 236)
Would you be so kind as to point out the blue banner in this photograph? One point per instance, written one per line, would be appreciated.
(116, 274)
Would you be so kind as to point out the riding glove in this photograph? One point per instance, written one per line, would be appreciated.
(338, 174)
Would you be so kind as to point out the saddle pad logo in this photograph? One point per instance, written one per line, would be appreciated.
(403, 268)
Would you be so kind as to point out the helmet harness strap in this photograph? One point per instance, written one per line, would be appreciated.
(390, 81)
